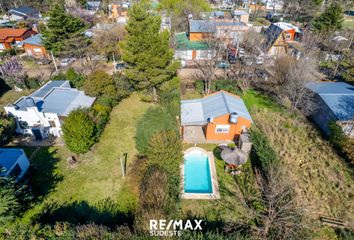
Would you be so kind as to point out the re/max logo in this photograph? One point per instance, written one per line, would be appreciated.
(176, 224)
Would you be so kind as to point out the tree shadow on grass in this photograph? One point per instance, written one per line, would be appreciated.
(3, 87)
(105, 212)
(42, 174)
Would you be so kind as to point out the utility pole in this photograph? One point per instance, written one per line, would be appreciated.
(55, 64)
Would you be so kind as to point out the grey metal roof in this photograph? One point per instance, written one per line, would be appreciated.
(198, 111)
(201, 26)
(8, 157)
(34, 40)
(338, 96)
(24, 11)
(239, 12)
(41, 92)
(55, 97)
(63, 100)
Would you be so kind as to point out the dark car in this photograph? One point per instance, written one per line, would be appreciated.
(43, 61)
(120, 66)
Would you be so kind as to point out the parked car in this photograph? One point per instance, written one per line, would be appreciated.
(120, 66)
(66, 62)
(223, 64)
(43, 61)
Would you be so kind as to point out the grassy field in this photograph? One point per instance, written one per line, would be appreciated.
(322, 179)
(97, 176)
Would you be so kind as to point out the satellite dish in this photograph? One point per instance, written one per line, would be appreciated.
(211, 119)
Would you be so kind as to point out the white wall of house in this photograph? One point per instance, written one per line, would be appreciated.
(16, 18)
(48, 121)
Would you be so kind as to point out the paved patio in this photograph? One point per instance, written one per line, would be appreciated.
(196, 134)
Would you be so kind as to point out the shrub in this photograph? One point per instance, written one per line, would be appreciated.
(123, 87)
(341, 142)
(262, 153)
(7, 128)
(58, 76)
(79, 131)
(99, 83)
(76, 79)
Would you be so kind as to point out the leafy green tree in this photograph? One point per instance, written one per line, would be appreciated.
(147, 51)
(9, 204)
(79, 131)
(60, 28)
(99, 83)
(75, 78)
(7, 128)
(330, 20)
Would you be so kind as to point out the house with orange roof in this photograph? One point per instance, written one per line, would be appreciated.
(218, 117)
(9, 37)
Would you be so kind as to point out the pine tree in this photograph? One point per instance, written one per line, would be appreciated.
(330, 20)
(61, 27)
(146, 51)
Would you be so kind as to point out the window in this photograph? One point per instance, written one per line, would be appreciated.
(222, 129)
(288, 36)
(37, 50)
(52, 123)
(16, 171)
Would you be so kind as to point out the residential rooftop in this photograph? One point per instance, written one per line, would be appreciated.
(23, 11)
(8, 157)
(183, 43)
(338, 96)
(34, 40)
(55, 97)
(198, 111)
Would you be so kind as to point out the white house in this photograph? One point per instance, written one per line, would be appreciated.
(43, 112)
(13, 162)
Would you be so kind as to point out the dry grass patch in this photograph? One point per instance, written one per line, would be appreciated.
(322, 180)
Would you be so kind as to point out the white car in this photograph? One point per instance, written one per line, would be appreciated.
(66, 62)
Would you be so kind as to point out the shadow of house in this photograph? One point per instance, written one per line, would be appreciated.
(105, 212)
(42, 174)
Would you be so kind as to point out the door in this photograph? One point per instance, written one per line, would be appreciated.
(37, 134)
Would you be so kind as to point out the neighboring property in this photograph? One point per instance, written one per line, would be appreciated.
(22, 13)
(9, 36)
(93, 5)
(42, 113)
(278, 35)
(240, 16)
(218, 117)
(226, 30)
(13, 162)
(335, 103)
(34, 47)
(189, 51)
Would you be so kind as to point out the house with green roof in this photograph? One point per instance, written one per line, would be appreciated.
(189, 51)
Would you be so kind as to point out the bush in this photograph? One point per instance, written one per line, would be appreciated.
(155, 119)
(262, 153)
(99, 83)
(79, 131)
(7, 128)
(123, 87)
(76, 79)
(341, 142)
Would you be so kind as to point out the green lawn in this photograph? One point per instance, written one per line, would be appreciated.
(10, 97)
(97, 176)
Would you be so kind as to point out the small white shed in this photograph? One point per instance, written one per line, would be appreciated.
(13, 162)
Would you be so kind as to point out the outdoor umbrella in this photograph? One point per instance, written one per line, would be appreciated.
(233, 156)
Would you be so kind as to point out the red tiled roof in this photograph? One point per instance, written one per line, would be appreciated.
(13, 33)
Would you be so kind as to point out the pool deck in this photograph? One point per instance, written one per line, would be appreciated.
(214, 178)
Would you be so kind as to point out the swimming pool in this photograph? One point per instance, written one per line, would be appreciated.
(197, 178)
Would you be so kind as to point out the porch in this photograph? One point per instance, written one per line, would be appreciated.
(196, 134)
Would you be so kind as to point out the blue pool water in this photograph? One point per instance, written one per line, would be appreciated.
(197, 177)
